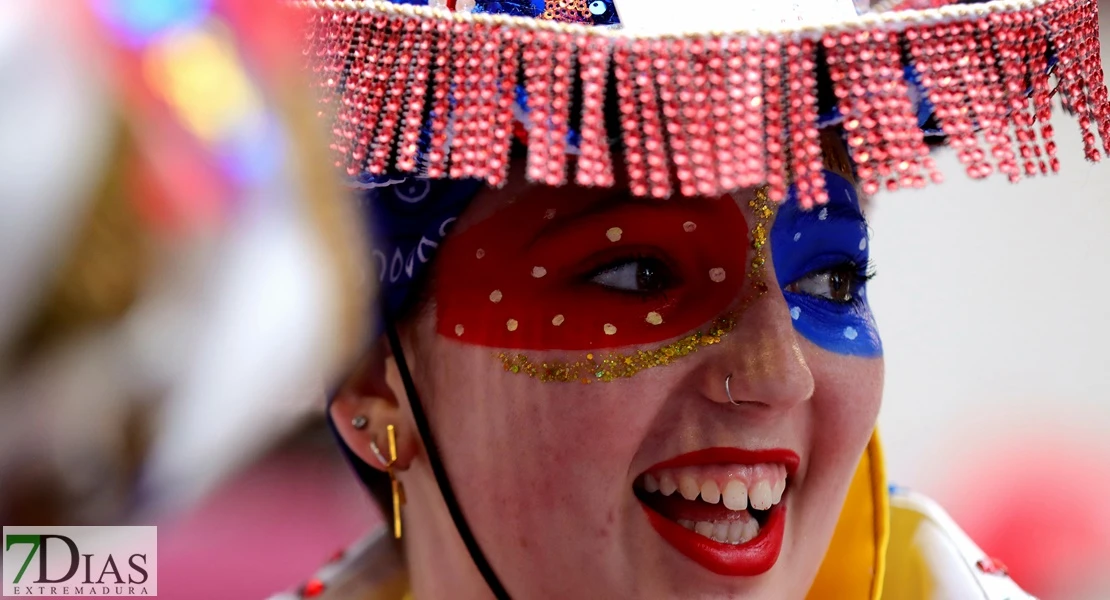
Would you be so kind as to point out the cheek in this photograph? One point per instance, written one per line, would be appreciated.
(845, 409)
(520, 445)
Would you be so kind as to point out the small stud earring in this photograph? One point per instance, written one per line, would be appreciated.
(359, 422)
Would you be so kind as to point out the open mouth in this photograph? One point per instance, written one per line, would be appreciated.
(722, 507)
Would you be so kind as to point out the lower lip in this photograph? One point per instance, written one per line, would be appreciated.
(751, 558)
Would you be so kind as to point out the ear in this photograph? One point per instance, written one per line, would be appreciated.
(374, 391)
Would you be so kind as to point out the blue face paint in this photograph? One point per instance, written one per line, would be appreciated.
(821, 258)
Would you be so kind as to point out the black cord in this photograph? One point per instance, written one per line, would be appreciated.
(441, 474)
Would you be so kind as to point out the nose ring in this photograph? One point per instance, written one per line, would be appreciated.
(728, 392)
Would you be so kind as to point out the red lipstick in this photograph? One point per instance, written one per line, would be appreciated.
(751, 558)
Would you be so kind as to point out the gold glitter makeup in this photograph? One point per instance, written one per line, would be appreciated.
(495, 296)
(616, 365)
(614, 234)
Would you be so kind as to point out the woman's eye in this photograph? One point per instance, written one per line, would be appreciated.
(641, 275)
(836, 284)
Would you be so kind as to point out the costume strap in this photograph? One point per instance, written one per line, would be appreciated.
(440, 472)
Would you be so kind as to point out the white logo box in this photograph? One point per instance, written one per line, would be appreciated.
(80, 561)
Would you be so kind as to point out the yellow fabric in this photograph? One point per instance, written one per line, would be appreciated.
(911, 575)
(855, 561)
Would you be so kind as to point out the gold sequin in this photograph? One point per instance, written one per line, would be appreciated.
(717, 274)
(567, 11)
(538, 272)
(495, 296)
(479, 254)
(614, 234)
(511, 324)
(558, 320)
(654, 318)
(459, 329)
(609, 329)
(616, 366)
(550, 214)
(689, 226)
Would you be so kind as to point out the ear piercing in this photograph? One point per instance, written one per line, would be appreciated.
(395, 484)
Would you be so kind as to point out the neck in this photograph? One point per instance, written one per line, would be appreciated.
(438, 562)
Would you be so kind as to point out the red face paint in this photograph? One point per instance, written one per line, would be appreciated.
(521, 279)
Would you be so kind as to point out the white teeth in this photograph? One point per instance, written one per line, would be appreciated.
(736, 532)
(688, 487)
(738, 487)
(760, 495)
(778, 489)
(736, 495)
(710, 493)
(667, 485)
(725, 532)
(704, 528)
(720, 531)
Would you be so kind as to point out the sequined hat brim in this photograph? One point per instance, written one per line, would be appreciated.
(701, 114)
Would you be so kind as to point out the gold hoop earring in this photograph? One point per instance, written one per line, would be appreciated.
(397, 488)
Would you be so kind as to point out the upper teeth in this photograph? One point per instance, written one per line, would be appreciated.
(735, 485)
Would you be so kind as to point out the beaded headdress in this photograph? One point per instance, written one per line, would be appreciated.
(703, 112)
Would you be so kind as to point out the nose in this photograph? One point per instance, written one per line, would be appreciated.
(762, 364)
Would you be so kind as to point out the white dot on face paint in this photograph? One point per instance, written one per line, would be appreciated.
(850, 333)
(863, 243)
(795, 312)
(824, 214)
(797, 236)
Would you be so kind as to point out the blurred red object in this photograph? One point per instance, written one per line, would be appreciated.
(1040, 507)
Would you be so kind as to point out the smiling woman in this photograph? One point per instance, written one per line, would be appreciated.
(661, 380)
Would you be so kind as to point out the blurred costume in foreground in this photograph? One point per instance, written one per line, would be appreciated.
(813, 105)
(174, 262)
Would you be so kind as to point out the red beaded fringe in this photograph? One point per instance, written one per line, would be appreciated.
(703, 115)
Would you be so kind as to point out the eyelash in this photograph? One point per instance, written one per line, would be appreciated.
(860, 273)
(630, 258)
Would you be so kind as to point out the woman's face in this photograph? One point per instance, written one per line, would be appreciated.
(647, 399)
